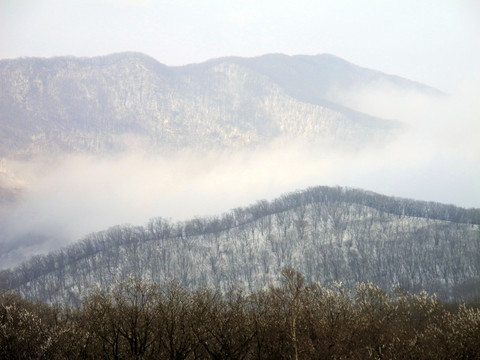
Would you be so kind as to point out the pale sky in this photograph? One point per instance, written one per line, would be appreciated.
(436, 42)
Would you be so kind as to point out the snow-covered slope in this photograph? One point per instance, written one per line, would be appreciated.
(328, 234)
(114, 102)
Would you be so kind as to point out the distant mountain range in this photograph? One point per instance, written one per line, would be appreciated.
(126, 100)
(328, 234)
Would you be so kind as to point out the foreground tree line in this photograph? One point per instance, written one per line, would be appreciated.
(290, 320)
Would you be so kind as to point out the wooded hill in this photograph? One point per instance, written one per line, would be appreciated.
(328, 234)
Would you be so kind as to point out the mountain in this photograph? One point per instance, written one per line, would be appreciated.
(328, 234)
(110, 103)
(129, 101)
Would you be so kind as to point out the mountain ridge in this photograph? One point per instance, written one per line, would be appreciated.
(330, 234)
(70, 103)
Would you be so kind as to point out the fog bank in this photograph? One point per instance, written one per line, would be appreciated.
(65, 197)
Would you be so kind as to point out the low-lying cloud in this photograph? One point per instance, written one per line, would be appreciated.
(68, 196)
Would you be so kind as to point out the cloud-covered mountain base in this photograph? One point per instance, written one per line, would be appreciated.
(60, 198)
(49, 199)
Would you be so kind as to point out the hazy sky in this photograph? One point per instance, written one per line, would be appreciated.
(432, 41)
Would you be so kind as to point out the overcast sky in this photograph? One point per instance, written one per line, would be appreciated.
(436, 42)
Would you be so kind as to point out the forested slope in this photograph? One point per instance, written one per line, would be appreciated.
(113, 103)
(328, 234)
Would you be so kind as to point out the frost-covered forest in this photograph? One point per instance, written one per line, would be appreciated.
(328, 234)
(102, 104)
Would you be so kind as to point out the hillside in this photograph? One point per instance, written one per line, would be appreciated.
(328, 234)
(125, 100)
